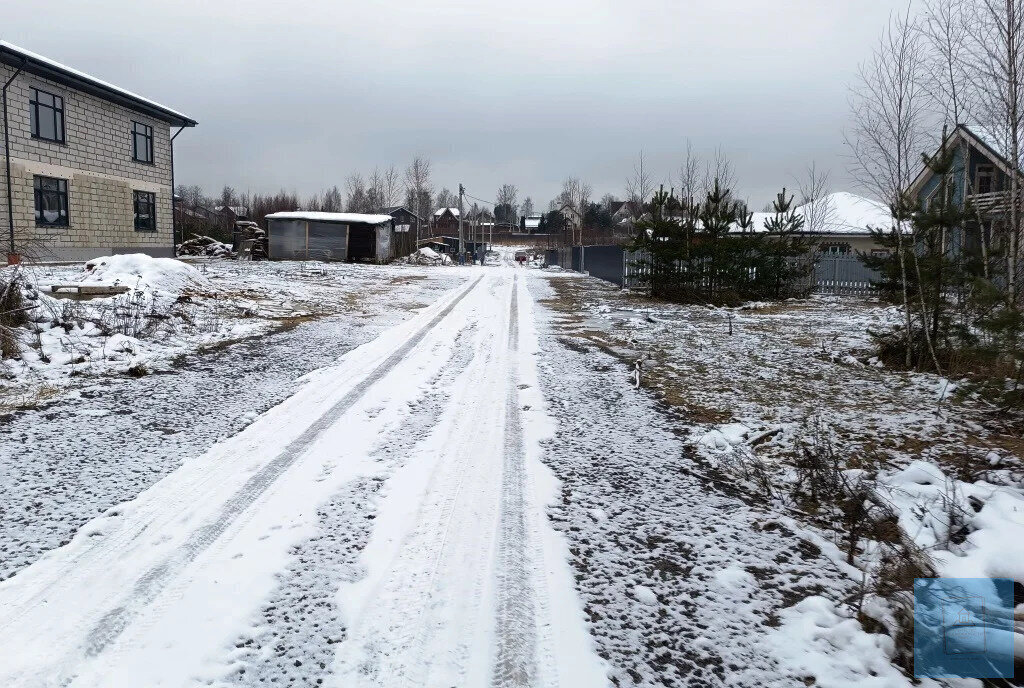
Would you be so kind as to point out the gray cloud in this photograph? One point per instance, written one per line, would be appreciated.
(299, 95)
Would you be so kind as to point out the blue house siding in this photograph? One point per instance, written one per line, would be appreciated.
(965, 240)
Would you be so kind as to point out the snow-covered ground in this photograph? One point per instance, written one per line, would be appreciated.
(460, 580)
(173, 308)
(448, 476)
(755, 388)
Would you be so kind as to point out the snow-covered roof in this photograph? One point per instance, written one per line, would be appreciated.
(236, 209)
(845, 213)
(314, 216)
(533, 222)
(440, 211)
(61, 73)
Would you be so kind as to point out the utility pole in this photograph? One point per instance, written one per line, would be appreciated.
(462, 249)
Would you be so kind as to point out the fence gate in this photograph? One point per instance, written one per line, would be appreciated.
(843, 275)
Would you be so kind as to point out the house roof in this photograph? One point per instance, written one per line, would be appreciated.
(982, 139)
(532, 222)
(46, 68)
(348, 218)
(392, 209)
(236, 209)
(440, 211)
(850, 215)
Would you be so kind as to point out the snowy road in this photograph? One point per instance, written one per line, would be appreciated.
(401, 489)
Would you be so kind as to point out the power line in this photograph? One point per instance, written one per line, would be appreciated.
(480, 199)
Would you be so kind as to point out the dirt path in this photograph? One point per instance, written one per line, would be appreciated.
(157, 591)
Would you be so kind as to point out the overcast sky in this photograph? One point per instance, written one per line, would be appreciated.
(301, 94)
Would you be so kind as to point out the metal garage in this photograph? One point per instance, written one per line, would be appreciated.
(302, 235)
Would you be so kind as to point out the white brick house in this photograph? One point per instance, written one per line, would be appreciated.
(91, 165)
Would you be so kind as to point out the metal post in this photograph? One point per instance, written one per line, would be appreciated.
(7, 161)
(462, 249)
(174, 215)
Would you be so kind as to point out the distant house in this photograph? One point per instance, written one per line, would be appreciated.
(445, 222)
(232, 213)
(572, 215)
(622, 215)
(409, 227)
(845, 223)
(91, 164)
(353, 237)
(981, 177)
(405, 219)
(531, 223)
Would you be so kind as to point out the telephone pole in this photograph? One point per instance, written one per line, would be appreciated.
(462, 249)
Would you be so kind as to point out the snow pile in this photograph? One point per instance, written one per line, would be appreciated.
(972, 530)
(826, 646)
(158, 316)
(428, 256)
(204, 246)
(724, 437)
(139, 271)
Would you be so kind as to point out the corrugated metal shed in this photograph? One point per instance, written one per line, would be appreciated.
(302, 235)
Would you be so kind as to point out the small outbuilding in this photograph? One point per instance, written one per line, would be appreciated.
(307, 235)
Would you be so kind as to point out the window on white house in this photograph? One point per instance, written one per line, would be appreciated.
(51, 200)
(142, 142)
(46, 112)
(835, 249)
(144, 203)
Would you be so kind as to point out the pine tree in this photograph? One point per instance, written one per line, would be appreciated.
(787, 262)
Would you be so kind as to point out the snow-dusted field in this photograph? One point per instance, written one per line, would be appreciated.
(448, 476)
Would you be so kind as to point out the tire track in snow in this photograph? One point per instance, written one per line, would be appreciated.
(516, 660)
(149, 585)
(292, 639)
(406, 627)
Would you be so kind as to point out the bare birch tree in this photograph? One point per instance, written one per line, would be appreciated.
(689, 176)
(639, 187)
(506, 204)
(356, 198)
(888, 130)
(390, 186)
(719, 171)
(944, 30)
(527, 207)
(417, 183)
(576, 195)
(819, 209)
(996, 69)
(332, 200)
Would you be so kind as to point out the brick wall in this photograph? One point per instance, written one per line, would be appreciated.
(96, 160)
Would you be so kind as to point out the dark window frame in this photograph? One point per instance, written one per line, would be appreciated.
(141, 129)
(149, 200)
(35, 107)
(987, 172)
(60, 193)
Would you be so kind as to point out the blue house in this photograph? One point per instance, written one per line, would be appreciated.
(982, 178)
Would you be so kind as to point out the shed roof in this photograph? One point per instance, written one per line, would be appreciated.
(314, 216)
(392, 209)
(62, 74)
